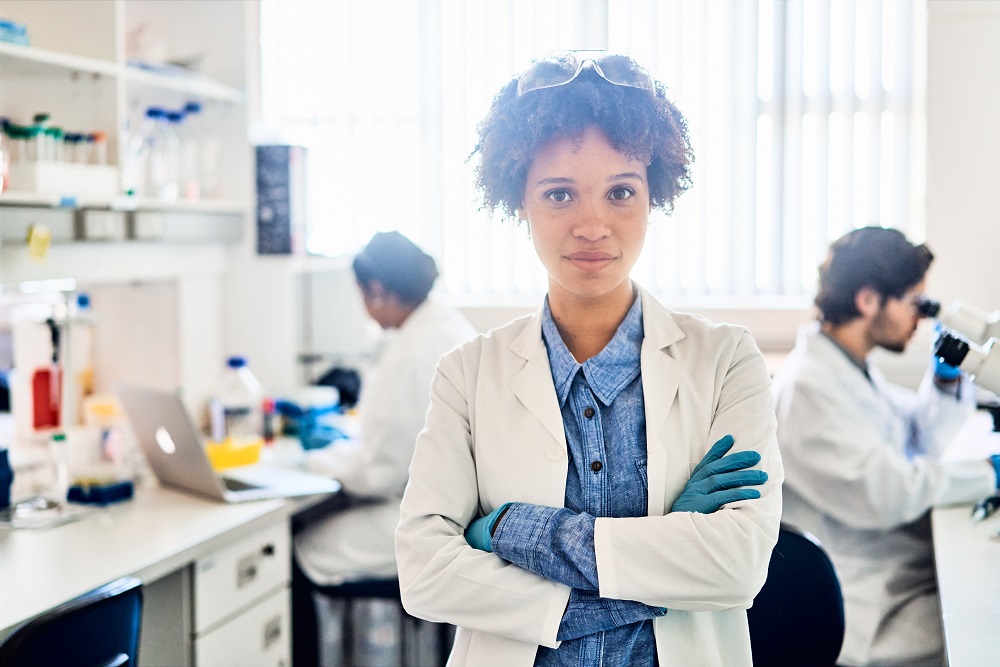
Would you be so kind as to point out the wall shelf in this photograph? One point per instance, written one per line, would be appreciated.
(25, 61)
(191, 84)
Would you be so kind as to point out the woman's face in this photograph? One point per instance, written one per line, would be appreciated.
(587, 206)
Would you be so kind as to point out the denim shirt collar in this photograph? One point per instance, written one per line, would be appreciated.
(609, 371)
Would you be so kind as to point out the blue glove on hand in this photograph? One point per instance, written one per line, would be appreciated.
(943, 371)
(995, 460)
(718, 479)
(479, 534)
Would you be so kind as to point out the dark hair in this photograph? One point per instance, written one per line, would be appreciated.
(642, 124)
(874, 257)
(395, 261)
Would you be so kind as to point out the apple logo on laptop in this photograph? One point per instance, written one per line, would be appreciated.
(164, 440)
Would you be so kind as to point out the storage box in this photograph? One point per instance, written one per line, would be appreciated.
(64, 179)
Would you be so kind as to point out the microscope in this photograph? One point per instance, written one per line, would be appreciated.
(981, 363)
(975, 324)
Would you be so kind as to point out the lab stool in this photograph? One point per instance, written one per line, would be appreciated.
(381, 589)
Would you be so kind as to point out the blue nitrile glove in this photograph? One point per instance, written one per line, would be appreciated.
(995, 460)
(943, 371)
(479, 534)
(718, 479)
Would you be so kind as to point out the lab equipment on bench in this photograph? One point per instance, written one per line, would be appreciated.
(972, 322)
(981, 363)
(237, 404)
(985, 508)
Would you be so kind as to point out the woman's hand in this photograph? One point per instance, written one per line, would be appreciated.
(719, 479)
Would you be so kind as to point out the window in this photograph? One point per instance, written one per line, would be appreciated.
(805, 115)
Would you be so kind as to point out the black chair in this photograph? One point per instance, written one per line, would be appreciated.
(798, 616)
(381, 589)
(97, 629)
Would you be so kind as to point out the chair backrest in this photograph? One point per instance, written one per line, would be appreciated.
(97, 629)
(798, 616)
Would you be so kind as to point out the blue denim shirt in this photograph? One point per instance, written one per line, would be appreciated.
(604, 418)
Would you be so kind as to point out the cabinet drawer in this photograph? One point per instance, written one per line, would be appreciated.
(259, 637)
(234, 577)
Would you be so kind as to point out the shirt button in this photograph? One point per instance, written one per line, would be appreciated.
(553, 454)
(588, 413)
(596, 466)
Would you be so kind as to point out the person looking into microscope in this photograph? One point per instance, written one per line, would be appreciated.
(395, 277)
(861, 455)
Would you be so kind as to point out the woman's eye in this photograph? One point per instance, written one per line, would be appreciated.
(558, 196)
(622, 193)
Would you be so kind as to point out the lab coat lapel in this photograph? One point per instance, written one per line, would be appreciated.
(661, 376)
(532, 384)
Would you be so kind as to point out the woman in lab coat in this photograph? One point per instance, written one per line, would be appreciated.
(861, 454)
(395, 278)
(560, 508)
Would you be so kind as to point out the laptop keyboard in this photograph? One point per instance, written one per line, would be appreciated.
(237, 485)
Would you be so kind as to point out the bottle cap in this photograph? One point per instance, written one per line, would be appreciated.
(58, 437)
(236, 362)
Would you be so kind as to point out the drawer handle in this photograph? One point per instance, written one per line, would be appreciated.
(246, 571)
(272, 631)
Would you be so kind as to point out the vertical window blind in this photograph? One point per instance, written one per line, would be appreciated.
(806, 119)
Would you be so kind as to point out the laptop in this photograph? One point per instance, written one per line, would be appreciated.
(175, 453)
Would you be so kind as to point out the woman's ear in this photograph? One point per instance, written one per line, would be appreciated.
(377, 292)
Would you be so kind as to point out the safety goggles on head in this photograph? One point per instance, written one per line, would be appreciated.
(561, 67)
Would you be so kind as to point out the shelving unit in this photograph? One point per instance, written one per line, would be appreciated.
(78, 69)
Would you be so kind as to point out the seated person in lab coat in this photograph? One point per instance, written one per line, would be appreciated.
(861, 454)
(395, 277)
(571, 500)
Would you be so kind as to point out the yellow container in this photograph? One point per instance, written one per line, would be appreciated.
(230, 453)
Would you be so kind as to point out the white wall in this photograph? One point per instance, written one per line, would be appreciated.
(963, 150)
(963, 163)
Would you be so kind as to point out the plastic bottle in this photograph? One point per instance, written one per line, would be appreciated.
(6, 478)
(238, 404)
(148, 148)
(60, 464)
(170, 132)
(190, 159)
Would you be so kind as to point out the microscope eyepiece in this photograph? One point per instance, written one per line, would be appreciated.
(951, 348)
(928, 307)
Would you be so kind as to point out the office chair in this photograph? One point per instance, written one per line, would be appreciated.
(97, 629)
(798, 616)
(381, 589)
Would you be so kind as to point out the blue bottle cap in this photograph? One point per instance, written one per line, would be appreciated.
(236, 362)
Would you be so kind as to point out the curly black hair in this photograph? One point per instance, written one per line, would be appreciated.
(642, 124)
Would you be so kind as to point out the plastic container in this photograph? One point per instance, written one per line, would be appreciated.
(6, 478)
(236, 410)
(190, 152)
(60, 464)
(171, 137)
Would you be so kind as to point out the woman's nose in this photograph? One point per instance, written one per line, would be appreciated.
(592, 225)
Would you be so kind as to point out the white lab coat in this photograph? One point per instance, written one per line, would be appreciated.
(495, 434)
(861, 475)
(358, 542)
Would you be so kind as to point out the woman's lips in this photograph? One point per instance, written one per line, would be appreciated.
(590, 260)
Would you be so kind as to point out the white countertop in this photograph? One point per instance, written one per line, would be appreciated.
(157, 532)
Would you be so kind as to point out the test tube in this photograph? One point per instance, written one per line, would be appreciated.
(55, 142)
(40, 140)
(99, 141)
(32, 141)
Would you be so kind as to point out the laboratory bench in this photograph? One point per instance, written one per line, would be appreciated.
(215, 575)
(967, 562)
